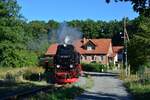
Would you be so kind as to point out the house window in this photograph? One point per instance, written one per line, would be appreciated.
(89, 47)
(82, 58)
(102, 57)
(93, 58)
(85, 57)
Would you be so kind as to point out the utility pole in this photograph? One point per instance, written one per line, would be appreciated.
(126, 39)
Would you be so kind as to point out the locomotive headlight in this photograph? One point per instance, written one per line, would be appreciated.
(58, 66)
(71, 66)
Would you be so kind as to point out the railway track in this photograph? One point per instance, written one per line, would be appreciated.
(25, 93)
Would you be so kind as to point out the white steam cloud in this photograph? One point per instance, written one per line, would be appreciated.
(67, 35)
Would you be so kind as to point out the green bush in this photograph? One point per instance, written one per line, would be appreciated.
(111, 66)
(93, 67)
(32, 76)
(19, 58)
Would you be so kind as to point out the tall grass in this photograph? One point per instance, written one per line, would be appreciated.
(58, 94)
(16, 74)
(138, 84)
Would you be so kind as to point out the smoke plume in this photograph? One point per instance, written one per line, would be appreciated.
(39, 44)
(67, 35)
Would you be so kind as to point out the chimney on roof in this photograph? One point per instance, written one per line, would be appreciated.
(83, 40)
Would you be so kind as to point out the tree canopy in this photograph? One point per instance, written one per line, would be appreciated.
(139, 45)
(141, 6)
(12, 48)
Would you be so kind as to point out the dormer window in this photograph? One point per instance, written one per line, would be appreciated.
(89, 47)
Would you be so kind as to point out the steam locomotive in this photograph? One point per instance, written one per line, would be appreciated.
(66, 64)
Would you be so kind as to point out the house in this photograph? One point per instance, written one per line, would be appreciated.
(91, 50)
(118, 55)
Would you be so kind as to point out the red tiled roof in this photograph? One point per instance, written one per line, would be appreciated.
(101, 47)
(117, 49)
(112, 55)
(52, 49)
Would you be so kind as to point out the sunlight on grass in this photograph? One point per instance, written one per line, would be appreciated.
(16, 74)
(138, 84)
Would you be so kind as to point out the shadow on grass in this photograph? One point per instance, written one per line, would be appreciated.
(8, 88)
(64, 93)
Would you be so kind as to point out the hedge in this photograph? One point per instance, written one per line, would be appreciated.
(94, 67)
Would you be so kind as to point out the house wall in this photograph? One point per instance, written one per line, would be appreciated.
(116, 58)
(94, 58)
(110, 52)
(103, 58)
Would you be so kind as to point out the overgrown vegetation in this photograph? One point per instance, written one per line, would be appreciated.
(138, 84)
(13, 80)
(138, 48)
(21, 74)
(67, 92)
(58, 94)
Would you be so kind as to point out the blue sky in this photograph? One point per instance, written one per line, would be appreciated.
(66, 10)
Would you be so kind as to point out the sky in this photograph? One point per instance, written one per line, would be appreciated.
(66, 10)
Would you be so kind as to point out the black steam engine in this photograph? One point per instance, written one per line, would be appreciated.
(66, 63)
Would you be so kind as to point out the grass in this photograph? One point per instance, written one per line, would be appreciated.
(89, 82)
(15, 87)
(12, 79)
(138, 90)
(58, 94)
(68, 92)
(16, 74)
(138, 85)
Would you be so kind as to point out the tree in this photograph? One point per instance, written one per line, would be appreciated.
(141, 6)
(51, 25)
(139, 46)
(12, 48)
(97, 29)
(9, 8)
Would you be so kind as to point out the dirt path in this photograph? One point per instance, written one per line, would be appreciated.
(106, 87)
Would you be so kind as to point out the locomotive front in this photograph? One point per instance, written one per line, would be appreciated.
(66, 64)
